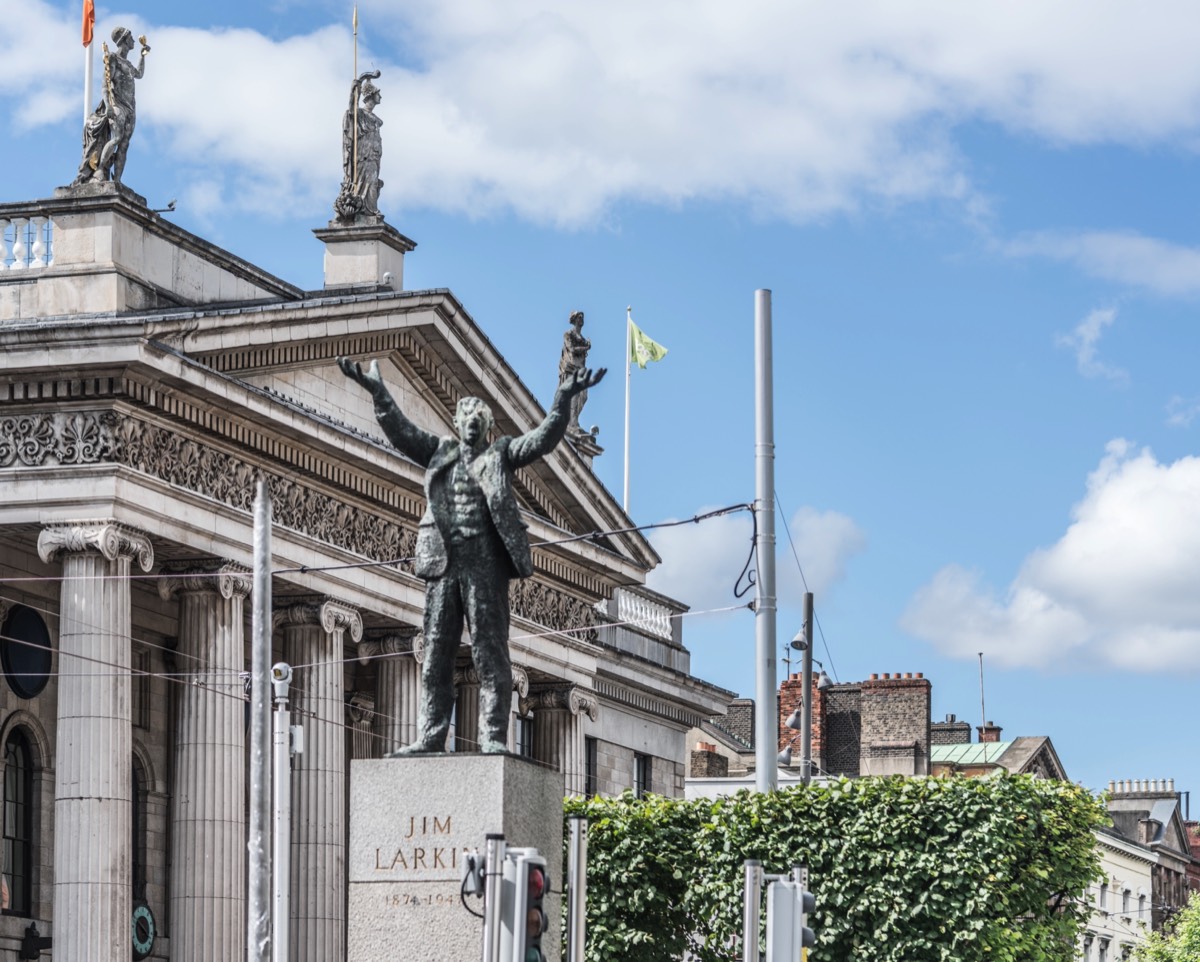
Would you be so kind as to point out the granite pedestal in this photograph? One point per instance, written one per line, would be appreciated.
(411, 819)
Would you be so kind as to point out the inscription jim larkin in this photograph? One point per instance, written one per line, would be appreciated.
(425, 847)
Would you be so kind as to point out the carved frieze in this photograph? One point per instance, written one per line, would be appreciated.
(95, 437)
(544, 605)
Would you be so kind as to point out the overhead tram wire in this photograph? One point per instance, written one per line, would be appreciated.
(394, 562)
(804, 580)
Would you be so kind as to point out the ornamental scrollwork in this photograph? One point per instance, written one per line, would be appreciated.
(66, 439)
(211, 575)
(110, 539)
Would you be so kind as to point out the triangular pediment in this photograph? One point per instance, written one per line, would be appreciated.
(431, 354)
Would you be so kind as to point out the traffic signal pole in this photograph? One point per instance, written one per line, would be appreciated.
(806, 761)
(766, 721)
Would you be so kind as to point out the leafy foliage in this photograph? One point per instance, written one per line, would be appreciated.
(903, 869)
(1181, 943)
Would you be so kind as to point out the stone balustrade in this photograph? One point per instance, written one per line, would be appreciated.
(26, 243)
(644, 626)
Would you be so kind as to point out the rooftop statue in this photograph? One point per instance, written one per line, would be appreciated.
(471, 543)
(362, 151)
(107, 132)
(574, 358)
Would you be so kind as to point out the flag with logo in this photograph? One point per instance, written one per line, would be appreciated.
(642, 349)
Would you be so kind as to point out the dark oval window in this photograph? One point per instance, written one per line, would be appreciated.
(25, 651)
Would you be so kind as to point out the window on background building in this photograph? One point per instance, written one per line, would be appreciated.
(1103, 896)
(1142, 907)
(1088, 941)
(18, 823)
(641, 774)
(1102, 955)
(1125, 900)
(591, 767)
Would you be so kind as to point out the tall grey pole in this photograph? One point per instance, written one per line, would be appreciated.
(751, 909)
(281, 844)
(806, 709)
(577, 892)
(258, 908)
(766, 721)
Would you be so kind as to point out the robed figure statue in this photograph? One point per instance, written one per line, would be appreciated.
(362, 152)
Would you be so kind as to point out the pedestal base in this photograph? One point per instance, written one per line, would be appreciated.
(411, 819)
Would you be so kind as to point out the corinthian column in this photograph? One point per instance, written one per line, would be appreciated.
(314, 635)
(92, 771)
(397, 656)
(558, 730)
(208, 840)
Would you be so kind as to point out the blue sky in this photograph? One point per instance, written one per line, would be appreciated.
(979, 226)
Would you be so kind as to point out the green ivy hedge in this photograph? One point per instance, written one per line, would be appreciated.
(903, 869)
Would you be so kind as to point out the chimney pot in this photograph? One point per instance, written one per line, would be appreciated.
(920, 674)
(874, 676)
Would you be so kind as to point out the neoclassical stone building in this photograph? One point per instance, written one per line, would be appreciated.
(148, 380)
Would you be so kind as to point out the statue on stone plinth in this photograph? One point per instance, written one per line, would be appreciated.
(362, 152)
(471, 543)
(107, 132)
(574, 358)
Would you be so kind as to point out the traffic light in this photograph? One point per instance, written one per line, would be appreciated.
(523, 912)
(788, 905)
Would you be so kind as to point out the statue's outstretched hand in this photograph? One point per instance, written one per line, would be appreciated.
(581, 380)
(370, 378)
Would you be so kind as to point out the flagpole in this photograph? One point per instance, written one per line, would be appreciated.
(354, 164)
(88, 60)
(89, 20)
(628, 351)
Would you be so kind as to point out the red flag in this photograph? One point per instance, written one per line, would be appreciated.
(89, 21)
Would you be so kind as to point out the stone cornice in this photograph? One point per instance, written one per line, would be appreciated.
(74, 438)
(110, 539)
(647, 703)
(209, 575)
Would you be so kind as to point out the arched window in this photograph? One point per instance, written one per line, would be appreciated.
(18, 823)
(138, 825)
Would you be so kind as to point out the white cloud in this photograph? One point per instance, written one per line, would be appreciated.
(1118, 588)
(1083, 342)
(701, 561)
(558, 110)
(1155, 265)
(1181, 411)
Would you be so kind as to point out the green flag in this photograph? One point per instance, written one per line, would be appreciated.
(642, 350)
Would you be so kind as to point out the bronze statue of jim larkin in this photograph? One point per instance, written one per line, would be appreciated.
(471, 543)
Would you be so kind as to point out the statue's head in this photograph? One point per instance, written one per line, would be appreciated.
(370, 93)
(472, 420)
(123, 37)
(577, 320)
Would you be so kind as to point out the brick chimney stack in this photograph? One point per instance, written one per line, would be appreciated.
(989, 732)
(791, 696)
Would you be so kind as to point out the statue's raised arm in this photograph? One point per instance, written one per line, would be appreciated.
(410, 440)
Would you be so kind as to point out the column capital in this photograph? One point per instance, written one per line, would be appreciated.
(333, 616)
(570, 698)
(110, 538)
(206, 575)
(387, 641)
(360, 707)
(520, 681)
